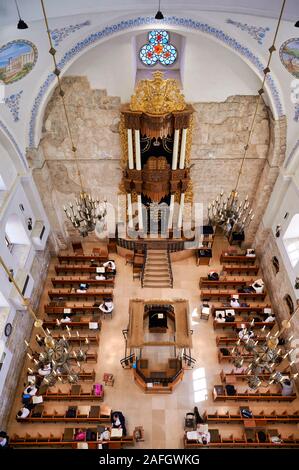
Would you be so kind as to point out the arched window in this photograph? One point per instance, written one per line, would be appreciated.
(158, 49)
(291, 240)
(289, 303)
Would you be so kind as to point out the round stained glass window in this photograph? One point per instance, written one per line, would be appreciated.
(158, 49)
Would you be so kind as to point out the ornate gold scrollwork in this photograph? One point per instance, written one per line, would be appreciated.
(157, 96)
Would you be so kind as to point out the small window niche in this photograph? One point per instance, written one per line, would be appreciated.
(289, 304)
(275, 264)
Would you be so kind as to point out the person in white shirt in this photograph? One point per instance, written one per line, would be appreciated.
(65, 319)
(287, 387)
(245, 334)
(45, 370)
(204, 437)
(270, 318)
(234, 303)
(100, 277)
(110, 264)
(105, 435)
(107, 306)
(258, 286)
(3, 439)
(23, 413)
(220, 317)
(31, 390)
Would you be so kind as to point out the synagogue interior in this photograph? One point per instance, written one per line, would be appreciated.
(149, 224)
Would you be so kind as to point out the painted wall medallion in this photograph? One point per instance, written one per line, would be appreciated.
(17, 59)
(289, 56)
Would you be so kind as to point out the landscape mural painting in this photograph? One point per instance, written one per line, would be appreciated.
(289, 56)
(17, 59)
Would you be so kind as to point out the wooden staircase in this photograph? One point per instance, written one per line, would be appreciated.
(157, 270)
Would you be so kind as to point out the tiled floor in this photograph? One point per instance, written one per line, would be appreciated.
(161, 416)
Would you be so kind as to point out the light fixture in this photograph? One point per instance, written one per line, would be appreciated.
(266, 353)
(21, 24)
(159, 15)
(227, 213)
(88, 213)
(56, 353)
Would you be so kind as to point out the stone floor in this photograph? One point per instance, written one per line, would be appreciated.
(161, 416)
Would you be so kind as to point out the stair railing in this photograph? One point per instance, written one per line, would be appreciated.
(170, 268)
(143, 267)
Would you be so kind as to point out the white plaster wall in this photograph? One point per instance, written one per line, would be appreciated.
(8, 171)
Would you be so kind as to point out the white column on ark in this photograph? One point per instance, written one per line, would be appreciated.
(175, 150)
(181, 211)
(140, 219)
(183, 149)
(171, 208)
(137, 150)
(130, 210)
(130, 150)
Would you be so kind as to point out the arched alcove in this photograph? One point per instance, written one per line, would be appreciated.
(291, 240)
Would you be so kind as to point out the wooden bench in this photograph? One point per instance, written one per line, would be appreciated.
(52, 441)
(240, 269)
(261, 418)
(75, 309)
(233, 339)
(237, 259)
(81, 258)
(94, 416)
(70, 281)
(71, 294)
(236, 324)
(230, 357)
(80, 268)
(237, 442)
(93, 339)
(79, 325)
(227, 294)
(250, 310)
(220, 394)
(224, 283)
(72, 394)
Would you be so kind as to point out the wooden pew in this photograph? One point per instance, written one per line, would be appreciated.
(73, 394)
(88, 309)
(93, 339)
(237, 259)
(72, 281)
(261, 418)
(229, 358)
(251, 310)
(224, 283)
(236, 324)
(236, 442)
(79, 325)
(217, 294)
(220, 394)
(71, 294)
(240, 269)
(81, 258)
(77, 269)
(59, 442)
(232, 339)
(58, 417)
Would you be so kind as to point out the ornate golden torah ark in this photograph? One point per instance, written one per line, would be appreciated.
(156, 131)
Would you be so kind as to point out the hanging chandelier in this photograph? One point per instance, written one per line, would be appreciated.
(88, 213)
(231, 216)
(267, 353)
(57, 361)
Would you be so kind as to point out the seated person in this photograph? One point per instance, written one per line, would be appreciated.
(245, 334)
(118, 421)
(24, 412)
(45, 369)
(213, 276)
(229, 316)
(30, 390)
(107, 306)
(83, 286)
(100, 277)
(220, 317)
(105, 435)
(287, 387)
(110, 265)
(65, 318)
(81, 291)
(250, 252)
(204, 437)
(4, 439)
(258, 286)
(234, 302)
(270, 318)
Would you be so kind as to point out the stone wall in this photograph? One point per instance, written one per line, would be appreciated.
(220, 133)
(22, 327)
(278, 284)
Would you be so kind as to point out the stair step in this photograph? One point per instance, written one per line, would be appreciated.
(158, 278)
(156, 251)
(160, 285)
(156, 261)
(164, 281)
